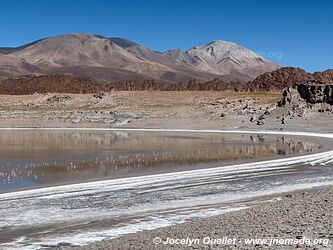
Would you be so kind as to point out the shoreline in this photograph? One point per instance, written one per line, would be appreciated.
(286, 218)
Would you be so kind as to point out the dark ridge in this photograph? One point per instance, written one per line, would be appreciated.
(63, 83)
(8, 50)
(31, 84)
(79, 85)
(286, 77)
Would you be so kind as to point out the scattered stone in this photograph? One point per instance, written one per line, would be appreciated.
(58, 98)
(260, 122)
(99, 95)
(261, 117)
(253, 118)
(283, 120)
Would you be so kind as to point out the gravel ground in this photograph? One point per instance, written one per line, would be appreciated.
(299, 217)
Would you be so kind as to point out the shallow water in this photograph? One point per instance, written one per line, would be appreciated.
(210, 181)
(33, 158)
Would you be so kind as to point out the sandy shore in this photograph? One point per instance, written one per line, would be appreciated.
(306, 216)
(297, 216)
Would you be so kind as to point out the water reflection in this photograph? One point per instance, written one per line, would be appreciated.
(35, 158)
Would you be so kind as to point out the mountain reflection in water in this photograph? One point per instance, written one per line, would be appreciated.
(33, 158)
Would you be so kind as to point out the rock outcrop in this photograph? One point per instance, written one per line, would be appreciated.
(312, 92)
(281, 78)
(316, 93)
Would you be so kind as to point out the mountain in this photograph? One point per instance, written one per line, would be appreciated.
(183, 71)
(87, 55)
(222, 58)
(121, 59)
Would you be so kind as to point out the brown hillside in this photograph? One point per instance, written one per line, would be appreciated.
(285, 77)
(50, 83)
(275, 81)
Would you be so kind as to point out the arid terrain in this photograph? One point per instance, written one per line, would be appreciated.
(159, 109)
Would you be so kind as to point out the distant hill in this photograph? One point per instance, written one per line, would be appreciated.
(273, 81)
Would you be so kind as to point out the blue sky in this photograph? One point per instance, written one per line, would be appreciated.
(292, 33)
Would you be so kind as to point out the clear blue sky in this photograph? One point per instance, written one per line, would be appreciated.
(289, 32)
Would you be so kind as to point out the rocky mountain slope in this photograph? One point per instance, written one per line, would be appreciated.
(72, 84)
(64, 83)
(285, 77)
(221, 57)
(50, 84)
(14, 66)
(324, 76)
(120, 59)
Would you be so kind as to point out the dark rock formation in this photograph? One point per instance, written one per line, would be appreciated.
(288, 76)
(72, 84)
(316, 93)
(281, 79)
(50, 84)
(311, 92)
(216, 85)
(324, 76)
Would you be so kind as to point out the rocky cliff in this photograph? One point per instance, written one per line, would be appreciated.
(312, 92)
